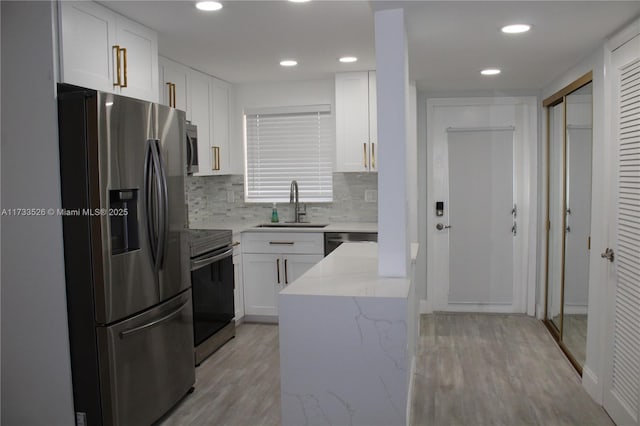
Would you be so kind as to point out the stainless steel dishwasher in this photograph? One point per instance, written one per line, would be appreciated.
(333, 239)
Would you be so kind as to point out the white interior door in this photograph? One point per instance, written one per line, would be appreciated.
(481, 199)
(622, 362)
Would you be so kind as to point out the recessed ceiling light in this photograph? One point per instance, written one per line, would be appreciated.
(209, 6)
(299, 1)
(490, 71)
(288, 63)
(348, 59)
(516, 28)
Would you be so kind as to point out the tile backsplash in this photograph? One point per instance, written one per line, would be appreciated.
(216, 200)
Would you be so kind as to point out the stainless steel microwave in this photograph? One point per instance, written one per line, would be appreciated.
(192, 149)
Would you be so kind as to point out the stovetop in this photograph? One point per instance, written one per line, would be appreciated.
(205, 240)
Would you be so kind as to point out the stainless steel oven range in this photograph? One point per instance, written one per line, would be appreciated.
(212, 282)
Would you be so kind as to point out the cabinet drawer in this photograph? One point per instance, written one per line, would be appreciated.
(283, 242)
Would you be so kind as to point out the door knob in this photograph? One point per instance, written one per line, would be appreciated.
(442, 226)
(608, 254)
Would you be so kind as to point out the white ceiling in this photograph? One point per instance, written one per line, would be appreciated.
(449, 41)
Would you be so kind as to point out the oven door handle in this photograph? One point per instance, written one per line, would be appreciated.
(196, 264)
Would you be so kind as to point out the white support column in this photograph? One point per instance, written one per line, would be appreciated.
(392, 77)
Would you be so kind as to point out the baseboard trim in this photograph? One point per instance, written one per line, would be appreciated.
(481, 308)
(261, 318)
(539, 312)
(591, 385)
(412, 373)
(575, 309)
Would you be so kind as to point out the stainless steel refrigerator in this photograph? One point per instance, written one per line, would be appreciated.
(129, 307)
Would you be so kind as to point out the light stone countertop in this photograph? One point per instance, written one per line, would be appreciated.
(239, 227)
(331, 227)
(352, 271)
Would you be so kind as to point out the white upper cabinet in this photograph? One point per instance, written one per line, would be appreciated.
(140, 66)
(105, 51)
(356, 121)
(199, 97)
(174, 85)
(88, 33)
(209, 107)
(220, 93)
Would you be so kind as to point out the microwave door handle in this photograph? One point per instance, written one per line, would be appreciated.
(148, 201)
(189, 151)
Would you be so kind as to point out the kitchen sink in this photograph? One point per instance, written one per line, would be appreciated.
(292, 225)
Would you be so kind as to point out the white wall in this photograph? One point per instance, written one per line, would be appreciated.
(0, 205)
(272, 94)
(421, 261)
(592, 370)
(36, 371)
(392, 99)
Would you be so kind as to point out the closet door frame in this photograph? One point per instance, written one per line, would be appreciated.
(560, 97)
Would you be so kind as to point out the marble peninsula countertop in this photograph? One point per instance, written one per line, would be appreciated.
(351, 271)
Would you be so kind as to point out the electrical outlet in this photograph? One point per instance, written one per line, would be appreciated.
(370, 195)
(231, 198)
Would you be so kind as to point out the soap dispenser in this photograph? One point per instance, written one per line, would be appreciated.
(274, 214)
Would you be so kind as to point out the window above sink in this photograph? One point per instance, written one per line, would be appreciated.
(285, 144)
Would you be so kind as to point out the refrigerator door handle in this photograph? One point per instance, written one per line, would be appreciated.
(163, 208)
(160, 200)
(167, 317)
(148, 200)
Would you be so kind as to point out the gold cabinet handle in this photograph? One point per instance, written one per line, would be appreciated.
(118, 81)
(174, 94)
(215, 160)
(278, 269)
(364, 147)
(215, 164)
(124, 65)
(170, 91)
(286, 277)
(373, 155)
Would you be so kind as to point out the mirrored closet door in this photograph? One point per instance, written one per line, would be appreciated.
(569, 148)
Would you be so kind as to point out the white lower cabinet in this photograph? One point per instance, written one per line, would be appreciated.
(266, 274)
(238, 290)
(261, 283)
(277, 261)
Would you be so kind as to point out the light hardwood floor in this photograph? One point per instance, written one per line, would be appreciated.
(575, 336)
(237, 385)
(476, 369)
(471, 369)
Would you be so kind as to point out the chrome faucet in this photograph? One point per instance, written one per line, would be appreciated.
(294, 198)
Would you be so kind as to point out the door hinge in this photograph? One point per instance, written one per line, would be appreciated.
(81, 418)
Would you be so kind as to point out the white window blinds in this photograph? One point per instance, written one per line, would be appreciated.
(285, 144)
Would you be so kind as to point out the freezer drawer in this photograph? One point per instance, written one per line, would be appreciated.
(147, 362)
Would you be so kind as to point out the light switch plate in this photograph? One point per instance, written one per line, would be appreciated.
(230, 196)
(370, 195)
